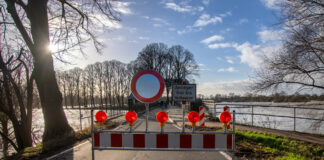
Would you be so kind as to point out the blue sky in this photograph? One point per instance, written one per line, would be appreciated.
(227, 37)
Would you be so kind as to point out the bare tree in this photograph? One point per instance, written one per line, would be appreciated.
(107, 80)
(16, 85)
(300, 61)
(152, 57)
(84, 86)
(70, 23)
(62, 80)
(184, 63)
(99, 77)
(90, 74)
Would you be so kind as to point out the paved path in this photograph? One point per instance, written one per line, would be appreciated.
(83, 150)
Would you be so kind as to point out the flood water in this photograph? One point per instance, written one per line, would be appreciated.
(73, 117)
(281, 123)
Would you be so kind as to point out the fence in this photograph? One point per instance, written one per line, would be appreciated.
(294, 114)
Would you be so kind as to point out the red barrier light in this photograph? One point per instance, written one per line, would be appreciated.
(162, 117)
(101, 117)
(193, 117)
(225, 117)
(131, 117)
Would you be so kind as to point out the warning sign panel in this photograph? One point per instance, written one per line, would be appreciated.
(184, 92)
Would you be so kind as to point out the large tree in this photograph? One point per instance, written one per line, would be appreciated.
(66, 23)
(300, 61)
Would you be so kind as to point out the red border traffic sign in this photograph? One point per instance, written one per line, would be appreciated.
(153, 98)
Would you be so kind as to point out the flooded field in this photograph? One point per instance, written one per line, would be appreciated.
(302, 122)
(73, 117)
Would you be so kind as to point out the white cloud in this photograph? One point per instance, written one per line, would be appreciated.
(146, 17)
(243, 20)
(270, 35)
(272, 4)
(205, 2)
(183, 7)
(212, 39)
(211, 88)
(171, 29)
(228, 13)
(157, 25)
(161, 21)
(189, 29)
(122, 7)
(143, 38)
(229, 60)
(221, 45)
(225, 30)
(252, 55)
(229, 69)
(205, 19)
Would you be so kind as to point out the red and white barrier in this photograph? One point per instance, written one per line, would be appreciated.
(162, 141)
(202, 116)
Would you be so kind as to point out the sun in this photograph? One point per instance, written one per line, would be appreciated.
(52, 47)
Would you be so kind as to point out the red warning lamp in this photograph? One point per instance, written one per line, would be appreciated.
(131, 117)
(193, 117)
(225, 117)
(162, 117)
(101, 117)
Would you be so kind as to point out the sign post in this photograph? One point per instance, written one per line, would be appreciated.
(183, 94)
(147, 86)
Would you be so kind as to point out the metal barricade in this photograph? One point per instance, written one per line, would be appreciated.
(163, 140)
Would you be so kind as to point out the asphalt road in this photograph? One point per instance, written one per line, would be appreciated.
(83, 150)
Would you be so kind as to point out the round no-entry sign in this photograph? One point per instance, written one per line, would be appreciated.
(147, 86)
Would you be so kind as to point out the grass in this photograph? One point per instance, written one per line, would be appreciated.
(279, 147)
(40, 151)
(256, 145)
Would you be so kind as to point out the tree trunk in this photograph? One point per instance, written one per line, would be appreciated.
(5, 143)
(56, 124)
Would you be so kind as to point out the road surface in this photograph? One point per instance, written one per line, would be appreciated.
(83, 150)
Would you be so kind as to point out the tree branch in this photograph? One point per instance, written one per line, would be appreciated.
(13, 12)
(10, 141)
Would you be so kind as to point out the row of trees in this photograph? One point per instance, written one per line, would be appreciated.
(108, 82)
(277, 97)
(97, 84)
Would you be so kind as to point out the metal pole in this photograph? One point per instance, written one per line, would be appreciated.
(294, 118)
(215, 110)
(80, 118)
(147, 116)
(252, 115)
(92, 151)
(233, 142)
(183, 115)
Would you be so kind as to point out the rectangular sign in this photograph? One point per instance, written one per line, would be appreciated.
(184, 92)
